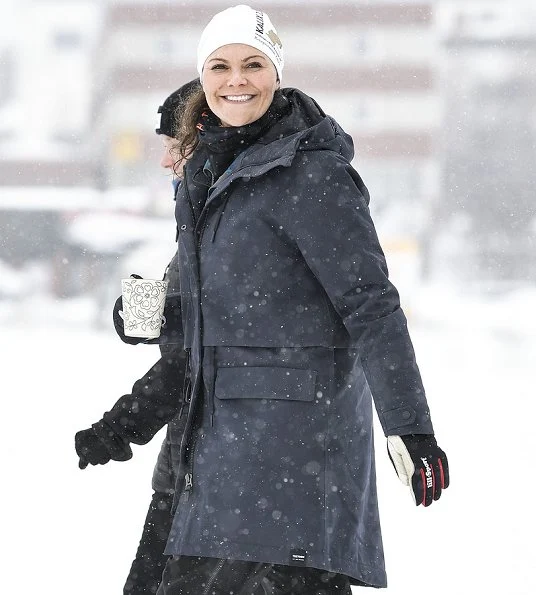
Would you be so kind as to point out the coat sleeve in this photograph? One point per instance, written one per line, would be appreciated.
(163, 476)
(155, 399)
(331, 224)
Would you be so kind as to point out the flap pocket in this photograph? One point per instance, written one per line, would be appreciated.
(289, 384)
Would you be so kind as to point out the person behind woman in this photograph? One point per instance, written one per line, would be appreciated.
(292, 329)
(146, 570)
(154, 400)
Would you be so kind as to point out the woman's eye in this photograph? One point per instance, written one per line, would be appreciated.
(218, 67)
(254, 65)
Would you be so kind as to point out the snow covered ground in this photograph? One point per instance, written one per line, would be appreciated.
(68, 531)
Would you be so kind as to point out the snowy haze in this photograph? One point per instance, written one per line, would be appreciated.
(459, 231)
(68, 530)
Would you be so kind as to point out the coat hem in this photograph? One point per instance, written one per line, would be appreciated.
(362, 575)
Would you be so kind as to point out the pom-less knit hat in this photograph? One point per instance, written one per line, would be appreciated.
(241, 24)
(167, 110)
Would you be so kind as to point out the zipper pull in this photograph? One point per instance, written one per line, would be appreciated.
(187, 487)
(188, 481)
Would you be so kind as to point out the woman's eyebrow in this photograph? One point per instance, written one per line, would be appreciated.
(216, 59)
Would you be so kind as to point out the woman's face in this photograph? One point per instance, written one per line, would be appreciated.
(239, 83)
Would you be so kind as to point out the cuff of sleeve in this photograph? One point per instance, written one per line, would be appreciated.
(403, 420)
(118, 448)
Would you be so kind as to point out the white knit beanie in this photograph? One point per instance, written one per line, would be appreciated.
(241, 24)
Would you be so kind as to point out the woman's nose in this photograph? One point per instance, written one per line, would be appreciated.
(236, 77)
(167, 160)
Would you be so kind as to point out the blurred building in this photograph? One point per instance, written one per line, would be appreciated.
(45, 163)
(488, 208)
(45, 91)
(48, 170)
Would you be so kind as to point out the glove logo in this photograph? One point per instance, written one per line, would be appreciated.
(428, 473)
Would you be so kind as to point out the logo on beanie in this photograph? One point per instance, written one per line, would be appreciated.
(259, 28)
(260, 22)
(274, 38)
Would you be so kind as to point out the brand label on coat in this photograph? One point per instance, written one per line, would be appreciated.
(298, 557)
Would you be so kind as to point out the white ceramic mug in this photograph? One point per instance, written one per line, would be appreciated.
(143, 306)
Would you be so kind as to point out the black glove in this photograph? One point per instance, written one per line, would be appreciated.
(421, 464)
(98, 444)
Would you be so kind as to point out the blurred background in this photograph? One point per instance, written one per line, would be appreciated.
(439, 97)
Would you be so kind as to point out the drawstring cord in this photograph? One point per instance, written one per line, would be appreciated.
(186, 384)
(221, 210)
(208, 364)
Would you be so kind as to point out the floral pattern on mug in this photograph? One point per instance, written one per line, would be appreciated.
(146, 296)
(143, 306)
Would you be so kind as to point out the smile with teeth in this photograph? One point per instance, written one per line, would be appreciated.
(238, 98)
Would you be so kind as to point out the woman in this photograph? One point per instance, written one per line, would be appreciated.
(290, 324)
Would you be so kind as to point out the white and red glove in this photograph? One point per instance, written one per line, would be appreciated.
(421, 464)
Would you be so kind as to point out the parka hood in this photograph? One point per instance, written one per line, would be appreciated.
(318, 130)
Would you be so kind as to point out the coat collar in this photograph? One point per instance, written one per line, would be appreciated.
(262, 157)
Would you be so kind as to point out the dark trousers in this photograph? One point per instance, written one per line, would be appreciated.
(146, 572)
(188, 575)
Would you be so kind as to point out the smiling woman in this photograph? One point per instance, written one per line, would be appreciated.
(240, 79)
(292, 330)
(240, 64)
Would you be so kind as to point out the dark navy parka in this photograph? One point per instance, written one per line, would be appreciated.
(291, 326)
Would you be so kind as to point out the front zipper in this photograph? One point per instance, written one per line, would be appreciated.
(213, 576)
(189, 476)
(187, 403)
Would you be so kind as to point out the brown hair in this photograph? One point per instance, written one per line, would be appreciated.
(187, 117)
